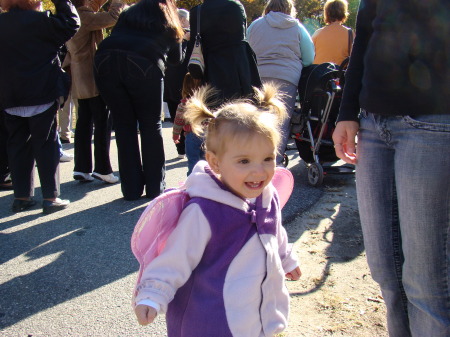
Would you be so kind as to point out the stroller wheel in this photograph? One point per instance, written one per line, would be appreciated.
(315, 174)
(285, 161)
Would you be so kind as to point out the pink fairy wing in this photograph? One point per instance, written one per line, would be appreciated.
(283, 181)
(155, 225)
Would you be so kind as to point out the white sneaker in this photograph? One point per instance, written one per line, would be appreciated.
(82, 177)
(65, 157)
(107, 178)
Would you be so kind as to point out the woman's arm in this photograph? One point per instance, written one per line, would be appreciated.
(92, 19)
(65, 23)
(349, 109)
(306, 46)
(344, 136)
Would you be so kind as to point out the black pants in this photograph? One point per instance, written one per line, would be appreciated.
(92, 112)
(173, 110)
(132, 88)
(30, 139)
(4, 166)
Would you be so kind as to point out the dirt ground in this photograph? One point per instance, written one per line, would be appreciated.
(336, 295)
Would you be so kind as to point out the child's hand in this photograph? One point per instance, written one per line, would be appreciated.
(145, 314)
(295, 274)
(176, 138)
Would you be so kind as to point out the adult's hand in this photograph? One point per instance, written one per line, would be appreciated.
(344, 139)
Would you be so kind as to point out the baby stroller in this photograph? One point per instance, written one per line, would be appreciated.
(312, 124)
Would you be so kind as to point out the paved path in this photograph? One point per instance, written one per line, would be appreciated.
(71, 273)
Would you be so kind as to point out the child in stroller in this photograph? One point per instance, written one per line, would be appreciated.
(312, 124)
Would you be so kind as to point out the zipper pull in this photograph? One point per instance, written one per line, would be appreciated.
(253, 216)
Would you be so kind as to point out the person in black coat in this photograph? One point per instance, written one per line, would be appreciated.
(32, 86)
(129, 69)
(230, 63)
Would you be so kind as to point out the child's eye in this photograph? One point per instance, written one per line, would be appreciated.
(243, 161)
(269, 159)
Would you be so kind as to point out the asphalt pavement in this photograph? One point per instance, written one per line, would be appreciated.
(71, 273)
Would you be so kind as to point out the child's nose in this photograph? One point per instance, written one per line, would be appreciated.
(259, 170)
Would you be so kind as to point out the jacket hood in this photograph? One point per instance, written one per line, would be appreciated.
(202, 182)
(280, 20)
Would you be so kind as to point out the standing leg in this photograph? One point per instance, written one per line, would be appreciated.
(65, 120)
(20, 156)
(46, 150)
(378, 209)
(404, 205)
(5, 174)
(423, 188)
(194, 151)
(152, 147)
(117, 97)
(83, 138)
(289, 92)
(102, 135)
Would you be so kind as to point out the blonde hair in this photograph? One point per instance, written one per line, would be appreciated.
(335, 10)
(239, 118)
(282, 6)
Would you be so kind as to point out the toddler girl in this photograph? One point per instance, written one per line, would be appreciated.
(223, 269)
(193, 143)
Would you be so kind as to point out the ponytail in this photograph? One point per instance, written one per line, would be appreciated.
(197, 110)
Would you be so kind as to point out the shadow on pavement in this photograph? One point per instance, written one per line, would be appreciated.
(63, 258)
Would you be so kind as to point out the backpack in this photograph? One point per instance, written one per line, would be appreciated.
(161, 217)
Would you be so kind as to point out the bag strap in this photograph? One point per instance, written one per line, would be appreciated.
(350, 41)
(198, 23)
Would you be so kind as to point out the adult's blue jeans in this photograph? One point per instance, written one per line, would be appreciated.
(131, 86)
(194, 150)
(403, 189)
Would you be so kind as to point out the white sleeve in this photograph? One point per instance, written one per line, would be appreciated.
(182, 253)
(149, 303)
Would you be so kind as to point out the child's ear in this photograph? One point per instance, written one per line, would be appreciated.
(213, 161)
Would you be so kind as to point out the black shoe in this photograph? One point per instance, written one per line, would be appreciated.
(20, 205)
(49, 207)
(64, 141)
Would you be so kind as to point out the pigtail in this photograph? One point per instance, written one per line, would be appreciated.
(197, 110)
(270, 99)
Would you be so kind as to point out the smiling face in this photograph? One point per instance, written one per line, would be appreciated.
(246, 165)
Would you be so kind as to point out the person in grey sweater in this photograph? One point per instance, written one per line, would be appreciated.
(283, 47)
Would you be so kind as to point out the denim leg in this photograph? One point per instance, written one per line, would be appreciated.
(403, 185)
(194, 150)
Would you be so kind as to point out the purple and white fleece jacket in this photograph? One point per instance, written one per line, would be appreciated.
(222, 272)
